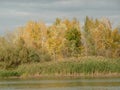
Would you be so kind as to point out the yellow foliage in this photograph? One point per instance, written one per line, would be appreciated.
(34, 34)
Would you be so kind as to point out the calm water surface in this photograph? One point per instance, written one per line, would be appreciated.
(60, 84)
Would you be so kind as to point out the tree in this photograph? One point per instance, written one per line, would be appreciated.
(88, 37)
(72, 37)
(73, 41)
(55, 40)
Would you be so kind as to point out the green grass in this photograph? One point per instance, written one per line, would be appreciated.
(72, 66)
(66, 67)
(8, 73)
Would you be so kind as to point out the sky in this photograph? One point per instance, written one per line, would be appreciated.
(16, 13)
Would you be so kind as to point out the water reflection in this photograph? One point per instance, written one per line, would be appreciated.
(64, 84)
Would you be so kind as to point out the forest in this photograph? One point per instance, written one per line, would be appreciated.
(36, 42)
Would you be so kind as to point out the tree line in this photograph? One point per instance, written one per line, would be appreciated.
(37, 42)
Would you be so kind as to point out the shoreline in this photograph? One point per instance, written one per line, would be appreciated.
(59, 76)
(98, 75)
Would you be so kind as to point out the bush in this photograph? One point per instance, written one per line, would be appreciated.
(5, 73)
(11, 56)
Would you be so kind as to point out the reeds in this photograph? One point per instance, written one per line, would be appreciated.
(90, 65)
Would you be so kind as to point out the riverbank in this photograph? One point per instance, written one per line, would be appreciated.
(69, 67)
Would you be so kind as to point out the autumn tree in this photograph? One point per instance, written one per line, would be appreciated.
(73, 38)
(55, 39)
(88, 37)
(99, 38)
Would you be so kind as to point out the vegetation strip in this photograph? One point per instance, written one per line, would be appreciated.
(63, 48)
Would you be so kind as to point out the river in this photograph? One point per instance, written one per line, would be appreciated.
(61, 84)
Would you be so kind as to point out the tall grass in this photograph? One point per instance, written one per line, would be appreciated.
(91, 65)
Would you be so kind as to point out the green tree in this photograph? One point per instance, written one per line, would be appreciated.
(73, 41)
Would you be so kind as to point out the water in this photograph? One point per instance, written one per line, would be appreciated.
(60, 84)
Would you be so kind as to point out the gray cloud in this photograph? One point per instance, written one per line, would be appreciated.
(17, 12)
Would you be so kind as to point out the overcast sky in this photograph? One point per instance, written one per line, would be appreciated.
(14, 13)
